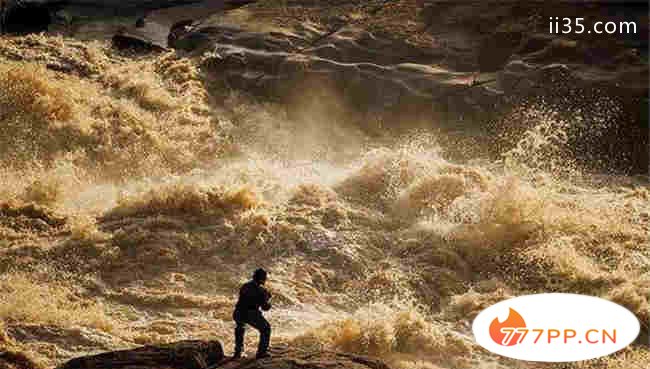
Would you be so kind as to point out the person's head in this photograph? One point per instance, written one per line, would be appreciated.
(259, 276)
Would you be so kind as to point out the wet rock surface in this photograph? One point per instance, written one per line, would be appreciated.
(370, 73)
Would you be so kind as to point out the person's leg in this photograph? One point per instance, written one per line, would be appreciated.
(240, 330)
(262, 325)
(265, 337)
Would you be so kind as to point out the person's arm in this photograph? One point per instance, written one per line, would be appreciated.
(266, 303)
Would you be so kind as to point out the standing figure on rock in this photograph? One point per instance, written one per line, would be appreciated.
(253, 297)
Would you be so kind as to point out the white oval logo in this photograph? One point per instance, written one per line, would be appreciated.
(555, 327)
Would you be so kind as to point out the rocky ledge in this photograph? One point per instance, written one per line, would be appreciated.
(209, 354)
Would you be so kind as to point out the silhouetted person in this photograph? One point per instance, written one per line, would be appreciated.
(253, 297)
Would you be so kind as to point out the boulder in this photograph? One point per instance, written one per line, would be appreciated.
(203, 355)
(178, 355)
(158, 27)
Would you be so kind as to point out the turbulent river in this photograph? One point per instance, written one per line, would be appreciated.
(135, 202)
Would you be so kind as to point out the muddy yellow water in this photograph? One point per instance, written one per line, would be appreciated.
(136, 199)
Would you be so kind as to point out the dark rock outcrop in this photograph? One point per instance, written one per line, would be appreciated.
(160, 26)
(203, 355)
(179, 355)
(156, 18)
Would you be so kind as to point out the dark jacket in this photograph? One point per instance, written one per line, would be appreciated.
(252, 297)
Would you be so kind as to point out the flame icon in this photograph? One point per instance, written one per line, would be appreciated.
(505, 333)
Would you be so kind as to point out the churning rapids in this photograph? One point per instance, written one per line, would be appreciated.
(133, 204)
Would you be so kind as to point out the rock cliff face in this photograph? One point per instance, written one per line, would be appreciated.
(473, 62)
(203, 355)
(369, 72)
